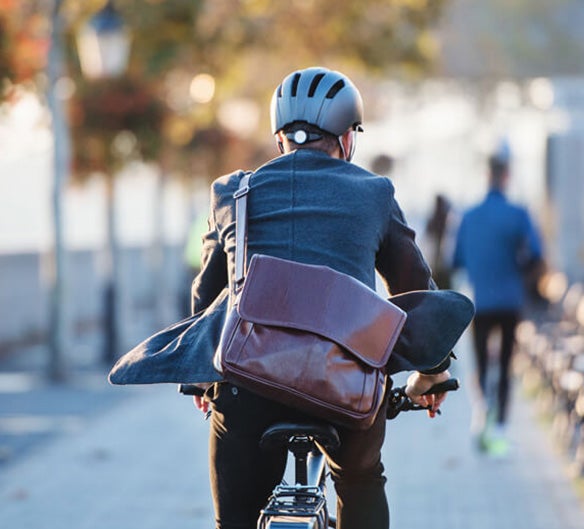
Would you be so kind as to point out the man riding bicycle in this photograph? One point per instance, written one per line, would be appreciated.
(314, 206)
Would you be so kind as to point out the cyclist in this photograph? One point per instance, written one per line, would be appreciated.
(313, 206)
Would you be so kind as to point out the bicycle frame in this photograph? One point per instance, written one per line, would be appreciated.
(303, 505)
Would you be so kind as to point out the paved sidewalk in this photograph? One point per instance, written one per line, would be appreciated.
(141, 463)
(136, 466)
(438, 479)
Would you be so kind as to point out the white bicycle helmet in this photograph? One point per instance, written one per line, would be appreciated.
(320, 97)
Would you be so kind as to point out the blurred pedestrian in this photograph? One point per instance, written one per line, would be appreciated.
(438, 234)
(383, 164)
(496, 244)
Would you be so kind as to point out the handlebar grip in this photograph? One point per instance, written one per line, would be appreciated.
(191, 389)
(452, 384)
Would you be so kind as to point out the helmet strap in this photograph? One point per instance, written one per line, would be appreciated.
(353, 145)
(343, 153)
(348, 157)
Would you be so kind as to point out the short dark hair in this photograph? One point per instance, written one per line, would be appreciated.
(498, 167)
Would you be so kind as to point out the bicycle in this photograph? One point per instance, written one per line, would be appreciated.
(303, 505)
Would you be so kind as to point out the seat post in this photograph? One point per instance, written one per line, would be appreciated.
(300, 447)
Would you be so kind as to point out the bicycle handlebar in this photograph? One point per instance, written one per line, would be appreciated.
(191, 389)
(399, 401)
(452, 384)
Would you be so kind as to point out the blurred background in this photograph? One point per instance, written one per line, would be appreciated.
(114, 118)
(116, 115)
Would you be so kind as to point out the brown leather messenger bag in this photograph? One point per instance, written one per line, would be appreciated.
(306, 335)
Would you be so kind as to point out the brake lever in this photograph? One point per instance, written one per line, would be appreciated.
(398, 401)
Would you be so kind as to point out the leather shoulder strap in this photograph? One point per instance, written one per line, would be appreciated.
(241, 229)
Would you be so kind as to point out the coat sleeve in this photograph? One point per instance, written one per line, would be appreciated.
(214, 274)
(403, 268)
(399, 260)
(531, 250)
(212, 278)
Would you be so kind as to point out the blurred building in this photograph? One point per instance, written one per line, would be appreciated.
(565, 178)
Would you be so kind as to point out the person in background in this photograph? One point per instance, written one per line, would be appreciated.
(383, 164)
(496, 244)
(438, 232)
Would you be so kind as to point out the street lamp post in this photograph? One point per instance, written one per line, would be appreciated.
(104, 44)
(58, 319)
(104, 47)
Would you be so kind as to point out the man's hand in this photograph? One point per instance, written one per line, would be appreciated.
(419, 383)
(201, 403)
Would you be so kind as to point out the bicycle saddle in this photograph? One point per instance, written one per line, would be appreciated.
(281, 432)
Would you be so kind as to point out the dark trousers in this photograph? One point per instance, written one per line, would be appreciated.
(243, 475)
(484, 324)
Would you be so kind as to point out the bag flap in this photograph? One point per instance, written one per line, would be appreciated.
(323, 301)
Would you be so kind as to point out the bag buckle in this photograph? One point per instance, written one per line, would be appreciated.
(241, 191)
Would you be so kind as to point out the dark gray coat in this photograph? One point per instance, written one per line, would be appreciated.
(307, 207)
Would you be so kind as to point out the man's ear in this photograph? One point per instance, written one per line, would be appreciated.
(348, 141)
(280, 141)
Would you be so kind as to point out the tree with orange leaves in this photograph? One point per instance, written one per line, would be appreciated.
(24, 43)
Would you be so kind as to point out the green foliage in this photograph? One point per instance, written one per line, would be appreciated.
(23, 42)
(6, 67)
(245, 45)
(217, 36)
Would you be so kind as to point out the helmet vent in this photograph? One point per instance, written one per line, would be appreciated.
(314, 84)
(279, 91)
(335, 89)
(295, 82)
